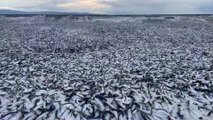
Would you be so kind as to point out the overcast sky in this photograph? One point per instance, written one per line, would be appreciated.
(112, 6)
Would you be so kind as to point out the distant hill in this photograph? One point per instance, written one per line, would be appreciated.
(15, 12)
(7, 12)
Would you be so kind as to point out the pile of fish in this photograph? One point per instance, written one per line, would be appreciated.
(134, 69)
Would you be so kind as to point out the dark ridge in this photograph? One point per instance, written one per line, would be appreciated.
(16, 13)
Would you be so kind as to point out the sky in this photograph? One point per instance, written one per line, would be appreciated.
(113, 6)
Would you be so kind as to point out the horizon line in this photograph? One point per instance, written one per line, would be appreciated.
(55, 12)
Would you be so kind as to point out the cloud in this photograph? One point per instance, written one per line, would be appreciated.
(114, 6)
(21, 3)
(85, 5)
(30, 5)
(156, 6)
